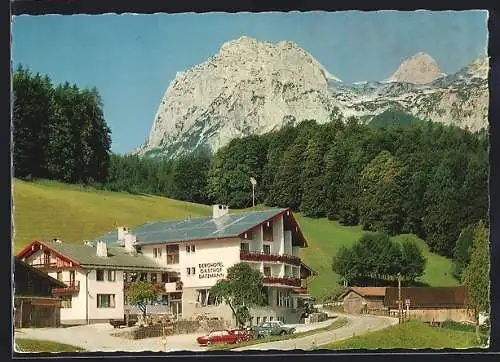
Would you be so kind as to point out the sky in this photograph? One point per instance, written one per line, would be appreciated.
(132, 58)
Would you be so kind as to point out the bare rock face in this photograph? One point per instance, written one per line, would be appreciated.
(247, 87)
(253, 87)
(420, 68)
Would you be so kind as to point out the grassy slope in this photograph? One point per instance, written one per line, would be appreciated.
(45, 210)
(409, 335)
(34, 345)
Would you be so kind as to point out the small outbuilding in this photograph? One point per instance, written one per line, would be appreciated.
(34, 303)
(358, 300)
(430, 304)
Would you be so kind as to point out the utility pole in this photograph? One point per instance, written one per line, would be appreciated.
(254, 182)
(400, 305)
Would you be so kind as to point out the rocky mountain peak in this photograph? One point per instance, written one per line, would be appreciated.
(248, 86)
(479, 68)
(419, 68)
(253, 87)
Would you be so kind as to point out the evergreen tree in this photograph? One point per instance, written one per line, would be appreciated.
(462, 250)
(476, 274)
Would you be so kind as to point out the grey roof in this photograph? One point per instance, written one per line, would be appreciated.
(117, 256)
(230, 225)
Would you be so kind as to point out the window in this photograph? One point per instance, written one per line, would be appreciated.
(258, 320)
(99, 275)
(46, 257)
(111, 275)
(153, 278)
(264, 319)
(66, 301)
(267, 231)
(271, 319)
(172, 254)
(244, 247)
(71, 275)
(267, 271)
(157, 252)
(105, 300)
(143, 277)
(164, 277)
(266, 249)
(59, 275)
(284, 300)
(190, 248)
(205, 298)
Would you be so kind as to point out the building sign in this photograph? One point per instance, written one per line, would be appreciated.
(211, 270)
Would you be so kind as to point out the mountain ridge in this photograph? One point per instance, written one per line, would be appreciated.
(252, 87)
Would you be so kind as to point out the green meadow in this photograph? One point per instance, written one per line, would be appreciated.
(45, 210)
(409, 335)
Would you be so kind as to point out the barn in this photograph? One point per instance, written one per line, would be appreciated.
(34, 304)
(430, 304)
(358, 300)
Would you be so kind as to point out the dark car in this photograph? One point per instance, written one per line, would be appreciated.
(223, 337)
(271, 328)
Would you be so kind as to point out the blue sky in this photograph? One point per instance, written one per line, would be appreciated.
(132, 59)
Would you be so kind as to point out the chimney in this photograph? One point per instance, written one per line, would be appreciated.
(130, 241)
(219, 210)
(122, 232)
(102, 249)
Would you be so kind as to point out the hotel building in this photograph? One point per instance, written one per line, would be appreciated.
(183, 259)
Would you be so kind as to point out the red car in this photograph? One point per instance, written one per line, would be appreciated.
(223, 337)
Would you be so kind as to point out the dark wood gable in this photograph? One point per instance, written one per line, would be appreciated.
(32, 282)
(39, 255)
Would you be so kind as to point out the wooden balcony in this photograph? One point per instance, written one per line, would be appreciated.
(72, 286)
(260, 256)
(300, 290)
(292, 282)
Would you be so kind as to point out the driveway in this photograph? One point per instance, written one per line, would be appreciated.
(358, 324)
(97, 338)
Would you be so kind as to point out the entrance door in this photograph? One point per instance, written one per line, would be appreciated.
(71, 277)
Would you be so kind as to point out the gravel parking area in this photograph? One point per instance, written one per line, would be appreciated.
(97, 338)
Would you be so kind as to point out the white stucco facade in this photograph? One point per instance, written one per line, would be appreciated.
(187, 270)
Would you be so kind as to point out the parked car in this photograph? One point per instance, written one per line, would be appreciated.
(223, 336)
(271, 328)
(243, 334)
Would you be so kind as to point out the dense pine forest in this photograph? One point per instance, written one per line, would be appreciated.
(416, 177)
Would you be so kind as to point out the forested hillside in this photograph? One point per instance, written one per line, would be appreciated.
(59, 131)
(405, 177)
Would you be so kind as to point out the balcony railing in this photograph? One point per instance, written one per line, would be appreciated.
(72, 286)
(293, 282)
(300, 290)
(173, 287)
(45, 265)
(260, 256)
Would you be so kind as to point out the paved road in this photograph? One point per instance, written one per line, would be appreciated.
(97, 338)
(357, 325)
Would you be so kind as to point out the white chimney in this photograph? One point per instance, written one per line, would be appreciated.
(219, 210)
(102, 249)
(130, 241)
(122, 232)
